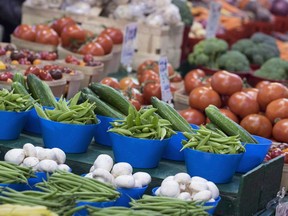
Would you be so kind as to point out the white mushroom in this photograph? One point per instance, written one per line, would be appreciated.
(168, 178)
(211, 200)
(138, 183)
(103, 175)
(47, 165)
(92, 169)
(198, 179)
(214, 189)
(184, 196)
(183, 180)
(89, 175)
(15, 156)
(30, 161)
(196, 186)
(64, 167)
(143, 177)
(125, 181)
(29, 150)
(170, 189)
(204, 195)
(60, 155)
(104, 161)
(157, 192)
(121, 168)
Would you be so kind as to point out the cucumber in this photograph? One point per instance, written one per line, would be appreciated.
(19, 77)
(169, 113)
(101, 107)
(111, 96)
(227, 125)
(20, 89)
(40, 91)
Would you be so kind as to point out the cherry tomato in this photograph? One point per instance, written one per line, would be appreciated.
(253, 92)
(60, 23)
(106, 42)
(115, 34)
(73, 36)
(92, 48)
(261, 84)
(242, 104)
(149, 76)
(226, 83)
(257, 124)
(194, 79)
(193, 116)
(25, 32)
(277, 109)
(280, 131)
(128, 82)
(271, 92)
(150, 90)
(47, 36)
(227, 113)
(135, 103)
(202, 97)
(110, 81)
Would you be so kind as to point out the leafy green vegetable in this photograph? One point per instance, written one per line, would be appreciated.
(233, 61)
(275, 68)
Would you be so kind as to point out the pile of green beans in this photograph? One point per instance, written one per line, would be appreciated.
(120, 211)
(12, 173)
(212, 141)
(70, 112)
(80, 188)
(10, 101)
(169, 206)
(51, 200)
(143, 124)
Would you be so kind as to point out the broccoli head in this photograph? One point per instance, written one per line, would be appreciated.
(233, 61)
(242, 45)
(207, 51)
(274, 68)
(260, 37)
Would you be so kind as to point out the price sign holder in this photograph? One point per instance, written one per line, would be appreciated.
(166, 94)
(213, 19)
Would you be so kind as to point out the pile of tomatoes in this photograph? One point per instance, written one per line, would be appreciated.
(262, 110)
(70, 35)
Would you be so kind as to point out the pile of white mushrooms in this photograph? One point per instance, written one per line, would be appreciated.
(119, 174)
(38, 158)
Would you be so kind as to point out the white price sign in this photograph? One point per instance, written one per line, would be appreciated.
(128, 47)
(213, 19)
(164, 80)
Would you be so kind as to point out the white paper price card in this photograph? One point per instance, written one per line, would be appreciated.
(213, 19)
(128, 47)
(164, 80)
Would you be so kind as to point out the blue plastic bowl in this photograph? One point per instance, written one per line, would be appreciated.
(140, 153)
(71, 138)
(84, 212)
(254, 155)
(101, 136)
(218, 168)
(172, 150)
(127, 194)
(33, 123)
(12, 124)
(40, 177)
(15, 186)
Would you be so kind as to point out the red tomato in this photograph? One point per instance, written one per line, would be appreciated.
(261, 84)
(226, 83)
(146, 65)
(242, 104)
(150, 90)
(136, 94)
(202, 97)
(253, 92)
(25, 32)
(227, 113)
(40, 26)
(106, 42)
(92, 48)
(280, 131)
(257, 124)
(271, 92)
(277, 109)
(73, 36)
(194, 79)
(135, 103)
(193, 116)
(148, 76)
(47, 36)
(115, 34)
(128, 82)
(60, 23)
(110, 81)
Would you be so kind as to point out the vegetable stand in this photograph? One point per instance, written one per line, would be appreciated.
(244, 195)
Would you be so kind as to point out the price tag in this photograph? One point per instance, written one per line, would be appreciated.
(213, 19)
(128, 47)
(164, 80)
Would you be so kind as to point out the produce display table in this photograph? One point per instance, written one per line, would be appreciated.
(244, 195)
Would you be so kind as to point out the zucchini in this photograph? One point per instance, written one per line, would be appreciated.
(19, 77)
(169, 113)
(20, 89)
(227, 125)
(101, 107)
(40, 91)
(111, 96)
